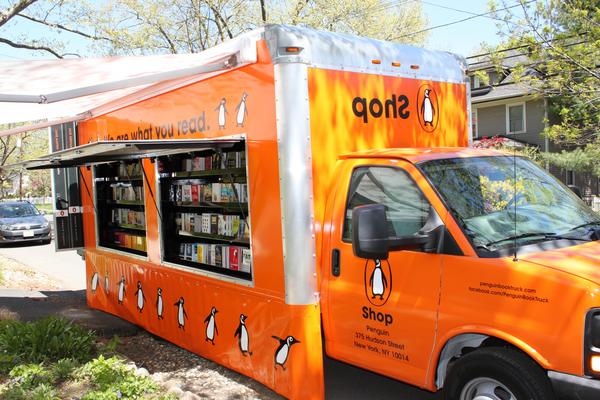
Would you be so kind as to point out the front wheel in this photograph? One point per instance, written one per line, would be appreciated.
(496, 374)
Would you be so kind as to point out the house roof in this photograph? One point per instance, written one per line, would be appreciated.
(502, 91)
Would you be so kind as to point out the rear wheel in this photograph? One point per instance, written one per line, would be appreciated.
(496, 374)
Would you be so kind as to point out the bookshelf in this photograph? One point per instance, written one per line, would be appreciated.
(205, 221)
(120, 218)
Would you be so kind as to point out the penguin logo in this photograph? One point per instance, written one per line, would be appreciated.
(378, 281)
(121, 290)
(428, 108)
(94, 282)
(181, 314)
(159, 303)
(283, 350)
(106, 282)
(140, 296)
(242, 334)
(222, 111)
(211, 326)
(242, 110)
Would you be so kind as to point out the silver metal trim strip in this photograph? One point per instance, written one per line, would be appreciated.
(296, 187)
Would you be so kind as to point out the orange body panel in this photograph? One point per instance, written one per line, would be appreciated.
(192, 112)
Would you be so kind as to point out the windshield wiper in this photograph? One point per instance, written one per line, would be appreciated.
(522, 236)
(584, 225)
(542, 235)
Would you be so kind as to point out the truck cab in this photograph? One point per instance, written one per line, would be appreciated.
(470, 270)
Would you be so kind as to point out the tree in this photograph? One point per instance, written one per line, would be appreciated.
(16, 148)
(561, 39)
(136, 27)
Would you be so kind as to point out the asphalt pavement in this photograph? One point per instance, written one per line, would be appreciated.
(66, 267)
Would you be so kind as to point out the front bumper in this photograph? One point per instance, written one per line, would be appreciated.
(571, 387)
(17, 236)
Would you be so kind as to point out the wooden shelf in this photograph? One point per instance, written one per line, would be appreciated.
(114, 179)
(126, 202)
(232, 240)
(219, 206)
(128, 226)
(211, 268)
(123, 248)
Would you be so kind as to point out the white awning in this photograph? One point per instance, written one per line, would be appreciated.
(55, 91)
(109, 151)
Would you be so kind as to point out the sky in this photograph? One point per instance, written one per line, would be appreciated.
(464, 38)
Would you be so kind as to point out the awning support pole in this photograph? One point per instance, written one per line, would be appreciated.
(87, 189)
(152, 194)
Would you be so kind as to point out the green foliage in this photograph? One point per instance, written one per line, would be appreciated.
(114, 380)
(583, 159)
(560, 46)
(28, 376)
(46, 340)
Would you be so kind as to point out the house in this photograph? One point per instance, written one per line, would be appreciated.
(500, 106)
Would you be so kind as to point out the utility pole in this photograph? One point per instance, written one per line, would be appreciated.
(20, 147)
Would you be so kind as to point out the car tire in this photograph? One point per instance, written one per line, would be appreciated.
(46, 241)
(497, 373)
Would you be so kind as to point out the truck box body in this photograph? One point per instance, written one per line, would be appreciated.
(309, 98)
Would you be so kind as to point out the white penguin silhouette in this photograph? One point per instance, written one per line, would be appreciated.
(94, 282)
(222, 112)
(121, 290)
(283, 351)
(181, 314)
(242, 110)
(242, 334)
(378, 281)
(427, 109)
(159, 303)
(106, 282)
(211, 326)
(140, 296)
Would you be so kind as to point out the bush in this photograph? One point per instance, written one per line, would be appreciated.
(46, 340)
(114, 380)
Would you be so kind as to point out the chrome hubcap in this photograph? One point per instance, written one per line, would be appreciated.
(486, 389)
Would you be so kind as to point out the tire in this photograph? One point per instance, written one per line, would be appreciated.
(499, 373)
(46, 241)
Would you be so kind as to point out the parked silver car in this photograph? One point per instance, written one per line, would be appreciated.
(21, 221)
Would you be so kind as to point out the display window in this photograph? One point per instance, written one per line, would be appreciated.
(205, 223)
(121, 217)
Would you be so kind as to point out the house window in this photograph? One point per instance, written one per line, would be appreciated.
(570, 177)
(475, 83)
(515, 118)
(474, 123)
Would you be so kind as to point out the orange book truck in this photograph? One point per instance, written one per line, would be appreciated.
(326, 191)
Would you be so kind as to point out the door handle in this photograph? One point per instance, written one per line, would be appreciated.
(335, 262)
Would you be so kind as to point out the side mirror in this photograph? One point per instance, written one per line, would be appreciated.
(370, 236)
(370, 232)
(61, 204)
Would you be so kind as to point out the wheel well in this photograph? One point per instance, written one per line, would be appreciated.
(463, 344)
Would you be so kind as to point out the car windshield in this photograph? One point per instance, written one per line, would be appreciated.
(17, 210)
(485, 194)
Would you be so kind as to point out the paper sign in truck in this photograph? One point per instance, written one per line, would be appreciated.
(323, 196)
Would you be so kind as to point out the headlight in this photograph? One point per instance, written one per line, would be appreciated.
(5, 227)
(591, 342)
(45, 224)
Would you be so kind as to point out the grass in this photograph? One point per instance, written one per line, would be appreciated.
(48, 208)
(53, 359)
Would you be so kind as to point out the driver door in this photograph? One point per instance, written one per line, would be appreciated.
(381, 314)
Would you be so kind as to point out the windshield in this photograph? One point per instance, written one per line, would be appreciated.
(484, 195)
(17, 210)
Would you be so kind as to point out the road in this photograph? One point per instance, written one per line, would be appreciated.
(66, 267)
(342, 381)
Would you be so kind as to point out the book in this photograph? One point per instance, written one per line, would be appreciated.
(246, 264)
(218, 256)
(225, 257)
(234, 258)
(214, 224)
(186, 193)
(206, 223)
(194, 193)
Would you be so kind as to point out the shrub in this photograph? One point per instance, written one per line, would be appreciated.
(46, 340)
(114, 380)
